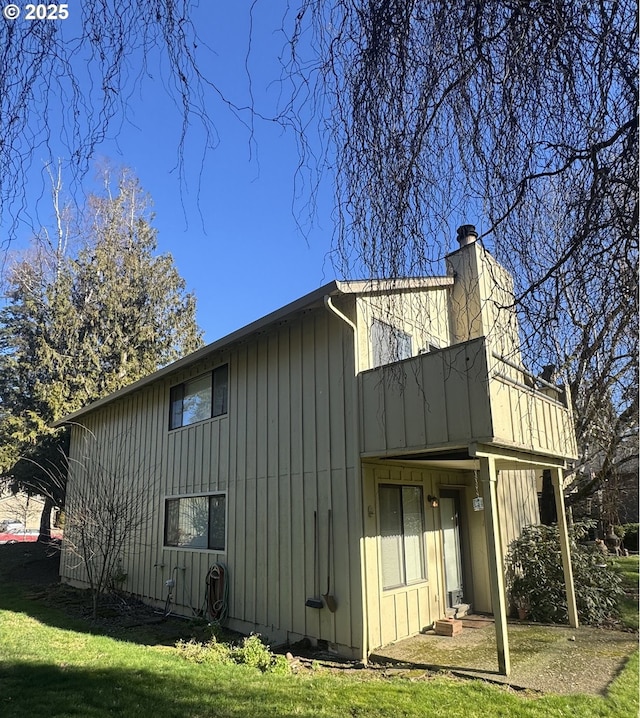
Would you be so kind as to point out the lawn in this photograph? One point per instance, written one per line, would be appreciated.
(627, 567)
(51, 665)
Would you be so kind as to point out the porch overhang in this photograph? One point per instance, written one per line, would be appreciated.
(487, 461)
(507, 458)
(468, 457)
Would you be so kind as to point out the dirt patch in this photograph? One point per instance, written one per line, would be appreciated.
(35, 567)
(30, 563)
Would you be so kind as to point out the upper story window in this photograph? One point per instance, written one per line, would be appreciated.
(389, 344)
(201, 398)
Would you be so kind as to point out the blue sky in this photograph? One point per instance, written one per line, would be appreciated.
(237, 246)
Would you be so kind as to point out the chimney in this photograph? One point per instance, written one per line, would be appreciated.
(467, 235)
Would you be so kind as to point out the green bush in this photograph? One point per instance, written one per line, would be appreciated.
(251, 652)
(631, 537)
(535, 579)
(213, 651)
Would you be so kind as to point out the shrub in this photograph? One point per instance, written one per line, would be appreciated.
(535, 578)
(630, 537)
(251, 652)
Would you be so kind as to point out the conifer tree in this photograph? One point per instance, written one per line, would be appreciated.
(79, 325)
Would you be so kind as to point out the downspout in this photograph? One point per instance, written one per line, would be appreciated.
(356, 354)
(356, 430)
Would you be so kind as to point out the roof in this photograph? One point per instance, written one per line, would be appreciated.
(314, 298)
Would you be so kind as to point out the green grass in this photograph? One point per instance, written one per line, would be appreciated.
(628, 568)
(50, 666)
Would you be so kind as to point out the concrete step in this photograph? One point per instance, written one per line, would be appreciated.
(461, 610)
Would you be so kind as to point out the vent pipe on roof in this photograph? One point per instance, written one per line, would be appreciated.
(467, 235)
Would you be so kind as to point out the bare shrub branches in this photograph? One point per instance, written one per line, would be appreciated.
(106, 512)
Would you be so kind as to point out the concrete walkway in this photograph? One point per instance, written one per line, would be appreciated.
(550, 659)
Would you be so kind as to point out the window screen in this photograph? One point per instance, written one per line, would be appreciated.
(389, 344)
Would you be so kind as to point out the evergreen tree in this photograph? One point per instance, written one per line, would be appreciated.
(75, 328)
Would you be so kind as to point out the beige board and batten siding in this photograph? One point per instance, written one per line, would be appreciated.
(529, 418)
(126, 437)
(132, 432)
(434, 400)
(451, 397)
(292, 434)
(420, 313)
(400, 612)
(286, 448)
(517, 508)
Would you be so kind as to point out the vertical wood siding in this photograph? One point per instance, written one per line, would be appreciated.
(455, 396)
(422, 314)
(428, 401)
(517, 508)
(287, 448)
(397, 613)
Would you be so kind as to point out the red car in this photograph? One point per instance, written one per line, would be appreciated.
(25, 535)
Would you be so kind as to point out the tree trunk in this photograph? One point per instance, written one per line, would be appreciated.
(45, 521)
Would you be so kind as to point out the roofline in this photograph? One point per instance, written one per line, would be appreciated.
(307, 300)
(333, 288)
(400, 284)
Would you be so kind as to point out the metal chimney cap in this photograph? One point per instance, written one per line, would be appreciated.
(467, 234)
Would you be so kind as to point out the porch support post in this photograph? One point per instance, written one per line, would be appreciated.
(556, 479)
(494, 554)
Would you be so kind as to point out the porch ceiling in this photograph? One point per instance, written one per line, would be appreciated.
(468, 459)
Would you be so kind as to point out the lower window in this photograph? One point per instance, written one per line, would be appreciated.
(196, 522)
(401, 535)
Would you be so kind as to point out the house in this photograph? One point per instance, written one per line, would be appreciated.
(376, 441)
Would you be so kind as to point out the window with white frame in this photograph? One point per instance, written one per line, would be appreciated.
(401, 535)
(197, 522)
(201, 398)
(389, 343)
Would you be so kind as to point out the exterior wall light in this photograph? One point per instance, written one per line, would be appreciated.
(433, 501)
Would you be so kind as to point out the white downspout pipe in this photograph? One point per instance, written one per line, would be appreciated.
(356, 354)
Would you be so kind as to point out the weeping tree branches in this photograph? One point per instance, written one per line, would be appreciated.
(66, 84)
(520, 116)
(439, 110)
